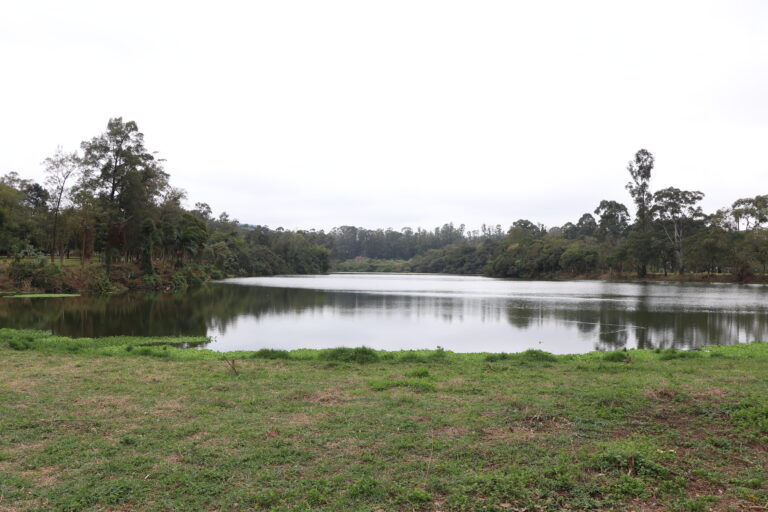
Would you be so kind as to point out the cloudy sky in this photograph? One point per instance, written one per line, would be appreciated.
(399, 113)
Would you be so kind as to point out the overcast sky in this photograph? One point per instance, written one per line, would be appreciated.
(399, 113)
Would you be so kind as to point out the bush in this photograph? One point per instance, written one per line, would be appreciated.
(673, 353)
(19, 345)
(179, 282)
(437, 355)
(101, 286)
(360, 355)
(538, 356)
(39, 274)
(151, 282)
(501, 356)
(270, 353)
(619, 356)
(412, 357)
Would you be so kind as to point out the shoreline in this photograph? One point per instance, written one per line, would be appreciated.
(90, 280)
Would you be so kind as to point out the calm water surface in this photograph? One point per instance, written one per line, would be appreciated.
(405, 311)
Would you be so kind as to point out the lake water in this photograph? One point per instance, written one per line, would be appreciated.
(411, 311)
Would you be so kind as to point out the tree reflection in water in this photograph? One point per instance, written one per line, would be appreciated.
(606, 322)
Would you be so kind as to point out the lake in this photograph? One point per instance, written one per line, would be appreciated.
(412, 311)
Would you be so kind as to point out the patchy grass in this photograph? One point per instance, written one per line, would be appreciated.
(141, 424)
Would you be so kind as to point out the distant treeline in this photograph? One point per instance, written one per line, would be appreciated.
(112, 202)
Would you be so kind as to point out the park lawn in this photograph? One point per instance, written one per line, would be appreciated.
(139, 424)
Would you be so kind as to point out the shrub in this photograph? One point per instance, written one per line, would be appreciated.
(360, 355)
(101, 285)
(437, 355)
(179, 282)
(270, 353)
(412, 357)
(619, 356)
(150, 282)
(19, 345)
(39, 274)
(538, 356)
(673, 353)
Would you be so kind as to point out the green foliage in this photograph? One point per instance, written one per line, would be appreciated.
(501, 356)
(39, 274)
(751, 413)
(579, 260)
(359, 355)
(538, 356)
(362, 264)
(101, 285)
(619, 356)
(19, 344)
(179, 282)
(673, 353)
(269, 353)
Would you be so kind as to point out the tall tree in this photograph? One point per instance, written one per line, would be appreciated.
(639, 188)
(60, 169)
(127, 177)
(676, 208)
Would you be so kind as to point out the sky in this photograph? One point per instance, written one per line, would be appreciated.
(314, 114)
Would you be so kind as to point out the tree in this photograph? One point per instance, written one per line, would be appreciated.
(613, 221)
(586, 225)
(752, 210)
(639, 188)
(676, 208)
(127, 177)
(59, 168)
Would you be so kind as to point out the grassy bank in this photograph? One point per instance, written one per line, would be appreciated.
(139, 424)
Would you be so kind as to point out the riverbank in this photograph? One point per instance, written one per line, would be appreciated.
(41, 276)
(72, 276)
(139, 424)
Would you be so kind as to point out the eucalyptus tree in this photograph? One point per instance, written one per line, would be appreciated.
(639, 188)
(753, 211)
(60, 170)
(613, 221)
(676, 209)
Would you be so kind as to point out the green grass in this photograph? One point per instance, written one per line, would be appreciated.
(139, 424)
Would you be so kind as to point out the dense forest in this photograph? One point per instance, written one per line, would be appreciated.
(111, 208)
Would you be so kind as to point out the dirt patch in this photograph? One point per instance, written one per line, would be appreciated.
(102, 401)
(707, 394)
(45, 477)
(662, 394)
(19, 385)
(326, 398)
(509, 434)
(453, 431)
(168, 408)
(173, 458)
(197, 435)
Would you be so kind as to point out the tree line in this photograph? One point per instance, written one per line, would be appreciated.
(669, 233)
(112, 202)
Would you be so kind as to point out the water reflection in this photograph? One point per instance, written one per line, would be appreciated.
(459, 313)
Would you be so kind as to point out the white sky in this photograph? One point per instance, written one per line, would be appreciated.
(399, 113)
